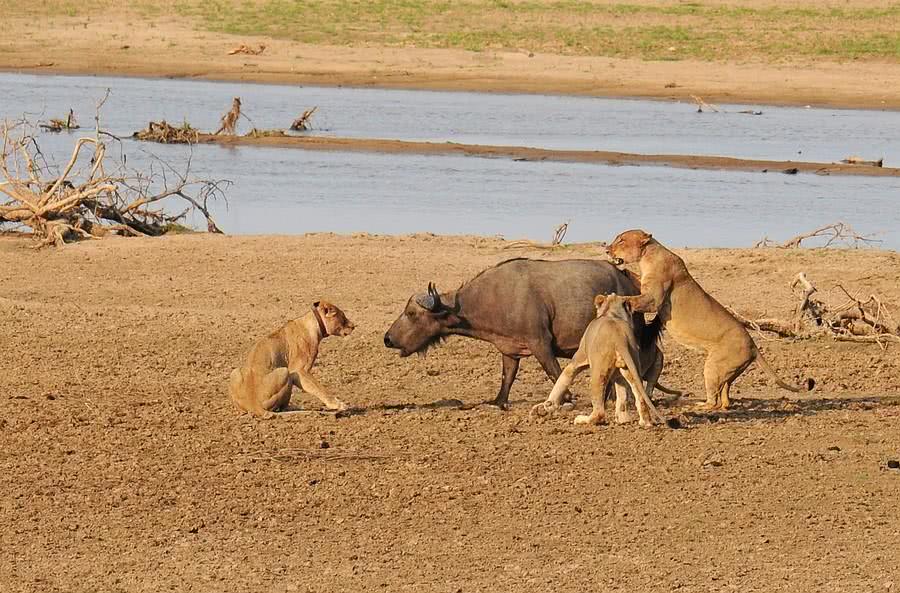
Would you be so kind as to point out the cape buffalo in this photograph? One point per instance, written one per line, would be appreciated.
(524, 307)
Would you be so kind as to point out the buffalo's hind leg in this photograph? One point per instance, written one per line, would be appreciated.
(510, 369)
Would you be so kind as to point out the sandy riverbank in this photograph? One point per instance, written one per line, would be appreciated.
(114, 46)
(124, 467)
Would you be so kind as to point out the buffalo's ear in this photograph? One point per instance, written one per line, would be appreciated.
(427, 302)
(431, 300)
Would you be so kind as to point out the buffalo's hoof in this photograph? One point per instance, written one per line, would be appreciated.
(500, 404)
(567, 406)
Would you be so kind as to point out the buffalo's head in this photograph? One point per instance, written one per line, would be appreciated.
(424, 322)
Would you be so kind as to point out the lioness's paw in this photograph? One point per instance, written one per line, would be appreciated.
(623, 418)
(338, 406)
(582, 419)
(543, 408)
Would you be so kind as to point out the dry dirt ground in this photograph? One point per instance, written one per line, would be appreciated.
(123, 466)
(56, 37)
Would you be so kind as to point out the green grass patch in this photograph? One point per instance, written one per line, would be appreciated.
(663, 30)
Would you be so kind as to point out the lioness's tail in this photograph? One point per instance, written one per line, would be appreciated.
(639, 387)
(764, 365)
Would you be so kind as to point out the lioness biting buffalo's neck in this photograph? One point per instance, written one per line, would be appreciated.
(690, 315)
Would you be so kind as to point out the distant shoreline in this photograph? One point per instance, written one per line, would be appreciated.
(522, 153)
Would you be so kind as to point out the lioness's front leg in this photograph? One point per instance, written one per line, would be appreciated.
(555, 399)
(307, 383)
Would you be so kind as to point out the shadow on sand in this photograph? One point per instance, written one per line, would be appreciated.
(747, 410)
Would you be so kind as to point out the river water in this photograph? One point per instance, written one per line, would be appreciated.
(296, 191)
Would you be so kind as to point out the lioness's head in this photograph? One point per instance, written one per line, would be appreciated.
(612, 305)
(336, 323)
(628, 247)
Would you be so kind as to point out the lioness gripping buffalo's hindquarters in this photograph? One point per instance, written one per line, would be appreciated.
(612, 352)
(284, 359)
(690, 315)
(523, 307)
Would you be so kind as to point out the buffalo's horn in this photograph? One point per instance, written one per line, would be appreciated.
(432, 290)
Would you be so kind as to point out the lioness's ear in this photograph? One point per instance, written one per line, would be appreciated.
(646, 239)
(316, 304)
(626, 304)
(599, 299)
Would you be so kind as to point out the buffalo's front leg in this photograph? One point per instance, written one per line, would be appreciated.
(510, 368)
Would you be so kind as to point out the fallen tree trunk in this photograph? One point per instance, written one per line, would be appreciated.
(92, 201)
(856, 320)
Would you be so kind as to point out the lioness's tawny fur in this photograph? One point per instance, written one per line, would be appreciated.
(611, 350)
(284, 359)
(690, 315)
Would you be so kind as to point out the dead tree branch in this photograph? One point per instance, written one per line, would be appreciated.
(701, 104)
(302, 123)
(838, 232)
(856, 320)
(243, 48)
(559, 234)
(166, 133)
(89, 197)
(58, 125)
(230, 118)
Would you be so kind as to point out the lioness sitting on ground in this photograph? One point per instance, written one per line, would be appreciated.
(690, 315)
(611, 350)
(283, 359)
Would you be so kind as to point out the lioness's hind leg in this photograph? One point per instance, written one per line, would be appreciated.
(622, 415)
(599, 382)
(635, 384)
(720, 369)
(275, 390)
(236, 389)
